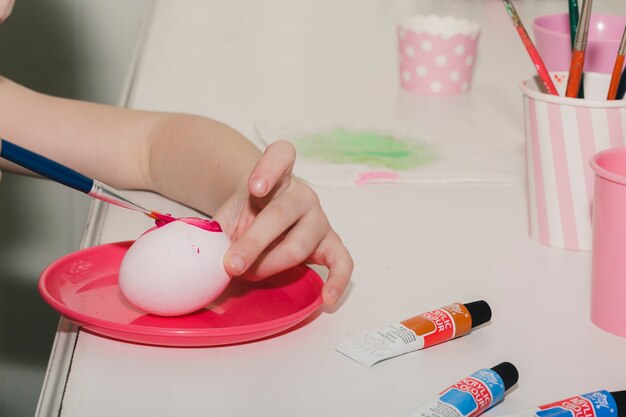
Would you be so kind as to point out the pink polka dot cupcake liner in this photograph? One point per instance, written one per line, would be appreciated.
(437, 54)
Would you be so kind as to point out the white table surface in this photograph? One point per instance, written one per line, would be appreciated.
(416, 247)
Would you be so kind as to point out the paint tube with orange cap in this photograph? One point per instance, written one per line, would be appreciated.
(417, 333)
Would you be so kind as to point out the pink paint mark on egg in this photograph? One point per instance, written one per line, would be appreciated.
(161, 220)
(208, 225)
(372, 176)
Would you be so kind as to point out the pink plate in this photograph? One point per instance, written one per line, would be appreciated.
(82, 286)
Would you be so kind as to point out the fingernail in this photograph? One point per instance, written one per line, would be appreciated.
(237, 263)
(259, 185)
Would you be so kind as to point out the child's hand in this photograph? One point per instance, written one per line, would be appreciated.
(276, 222)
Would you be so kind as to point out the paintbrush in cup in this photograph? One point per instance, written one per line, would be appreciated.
(542, 71)
(621, 87)
(573, 20)
(617, 69)
(73, 179)
(573, 28)
(578, 54)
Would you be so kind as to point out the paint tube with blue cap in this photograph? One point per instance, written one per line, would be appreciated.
(594, 404)
(471, 396)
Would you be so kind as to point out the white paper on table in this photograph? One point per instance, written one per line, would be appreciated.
(458, 160)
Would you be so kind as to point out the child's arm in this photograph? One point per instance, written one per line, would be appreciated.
(197, 161)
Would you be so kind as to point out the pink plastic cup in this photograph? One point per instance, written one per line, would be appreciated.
(552, 36)
(437, 54)
(608, 288)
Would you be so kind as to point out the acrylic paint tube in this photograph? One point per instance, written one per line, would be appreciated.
(417, 333)
(471, 396)
(595, 404)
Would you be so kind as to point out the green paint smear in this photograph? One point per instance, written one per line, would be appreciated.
(342, 146)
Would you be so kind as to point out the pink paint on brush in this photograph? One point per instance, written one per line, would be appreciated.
(161, 219)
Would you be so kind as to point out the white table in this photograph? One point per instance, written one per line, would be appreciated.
(415, 247)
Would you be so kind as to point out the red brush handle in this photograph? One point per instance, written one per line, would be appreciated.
(536, 58)
(617, 71)
(575, 74)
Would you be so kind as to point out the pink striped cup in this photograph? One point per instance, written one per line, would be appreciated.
(608, 285)
(562, 134)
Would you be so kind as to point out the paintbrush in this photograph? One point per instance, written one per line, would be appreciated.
(578, 54)
(617, 68)
(573, 27)
(530, 48)
(573, 20)
(73, 179)
(621, 88)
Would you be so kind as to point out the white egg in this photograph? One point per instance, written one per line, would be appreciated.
(175, 269)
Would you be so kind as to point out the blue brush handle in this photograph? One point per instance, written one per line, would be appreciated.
(45, 167)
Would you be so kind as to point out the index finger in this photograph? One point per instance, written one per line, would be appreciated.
(273, 168)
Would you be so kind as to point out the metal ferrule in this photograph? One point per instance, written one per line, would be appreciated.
(580, 43)
(110, 195)
(512, 13)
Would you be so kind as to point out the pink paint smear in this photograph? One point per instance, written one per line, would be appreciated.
(208, 225)
(161, 220)
(374, 176)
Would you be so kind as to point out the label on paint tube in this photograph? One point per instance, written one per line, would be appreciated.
(469, 397)
(416, 333)
(595, 404)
